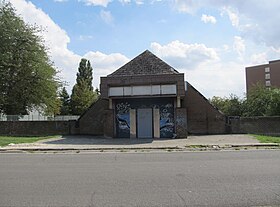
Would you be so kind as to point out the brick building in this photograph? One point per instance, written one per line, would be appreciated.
(147, 98)
(267, 74)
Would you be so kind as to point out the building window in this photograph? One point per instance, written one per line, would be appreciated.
(267, 76)
(267, 69)
(267, 83)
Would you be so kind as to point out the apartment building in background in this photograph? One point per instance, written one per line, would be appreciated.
(267, 74)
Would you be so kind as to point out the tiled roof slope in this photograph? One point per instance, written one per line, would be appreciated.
(144, 64)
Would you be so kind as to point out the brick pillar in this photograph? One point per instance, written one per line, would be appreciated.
(108, 123)
(181, 123)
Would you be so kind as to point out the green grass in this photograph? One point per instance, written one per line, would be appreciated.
(267, 139)
(6, 140)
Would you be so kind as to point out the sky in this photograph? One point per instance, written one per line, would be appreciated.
(210, 41)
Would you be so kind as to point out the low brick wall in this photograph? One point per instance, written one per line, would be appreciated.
(35, 128)
(256, 125)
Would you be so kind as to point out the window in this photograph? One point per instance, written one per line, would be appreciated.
(116, 91)
(267, 83)
(267, 76)
(144, 90)
(267, 69)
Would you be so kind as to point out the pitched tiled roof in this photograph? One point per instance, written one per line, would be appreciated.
(144, 64)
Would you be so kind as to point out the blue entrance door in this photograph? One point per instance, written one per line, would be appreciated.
(145, 123)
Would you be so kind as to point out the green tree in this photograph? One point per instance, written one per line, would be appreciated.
(27, 76)
(230, 106)
(274, 107)
(82, 93)
(65, 102)
(218, 102)
(263, 101)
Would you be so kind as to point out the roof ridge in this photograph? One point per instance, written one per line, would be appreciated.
(146, 63)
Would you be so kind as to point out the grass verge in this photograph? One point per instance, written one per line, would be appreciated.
(267, 139)
(6, 140)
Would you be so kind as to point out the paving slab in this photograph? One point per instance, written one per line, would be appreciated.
(99, 143)
(229, 139)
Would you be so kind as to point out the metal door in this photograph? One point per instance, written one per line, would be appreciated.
(145, 123)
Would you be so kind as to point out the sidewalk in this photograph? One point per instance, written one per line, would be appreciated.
(208, 142)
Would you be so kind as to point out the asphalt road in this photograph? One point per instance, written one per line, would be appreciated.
(243, 178)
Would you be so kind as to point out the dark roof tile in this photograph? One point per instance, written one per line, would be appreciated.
(144, 64)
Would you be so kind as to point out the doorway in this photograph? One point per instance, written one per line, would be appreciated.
(145, 123)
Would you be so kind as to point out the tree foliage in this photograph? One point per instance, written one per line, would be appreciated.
(27, 76)
(65, 102)
(82, 93)
(260, 101)
(232, 106)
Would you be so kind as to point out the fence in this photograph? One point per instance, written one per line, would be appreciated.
(37, 117)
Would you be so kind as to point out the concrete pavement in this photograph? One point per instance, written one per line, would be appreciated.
(209, 142)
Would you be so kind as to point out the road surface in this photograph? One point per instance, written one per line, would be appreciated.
(239, 178)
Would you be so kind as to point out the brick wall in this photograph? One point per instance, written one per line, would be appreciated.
(34, 128)
(109, 123)
(177, 79)
(92, 121)
(181, 123)
(202, 117)
(256, 125)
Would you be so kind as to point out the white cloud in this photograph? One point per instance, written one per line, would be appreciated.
(103, 3)
(125, 1)
(60, 0)
(256, 20)
(57, 41)
(239, 45)
(203, 68)
(188, 6)
(187, 56)
(104, 64)
(233, 16)
(226, 48)
(218, 79)
(208, 19)
(85, 37)
(259, 58)
(139, 2)
(106, 16)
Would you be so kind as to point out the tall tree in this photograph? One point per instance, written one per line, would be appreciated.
(65, 102)
(82, 93)
(27, 76)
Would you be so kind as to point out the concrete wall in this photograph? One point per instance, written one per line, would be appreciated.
(255, 125)
(34, 128)
(202, 117)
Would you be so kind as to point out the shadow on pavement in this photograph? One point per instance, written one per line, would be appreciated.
(99, 140)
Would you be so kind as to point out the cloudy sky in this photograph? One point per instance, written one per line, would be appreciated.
(211, 41)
